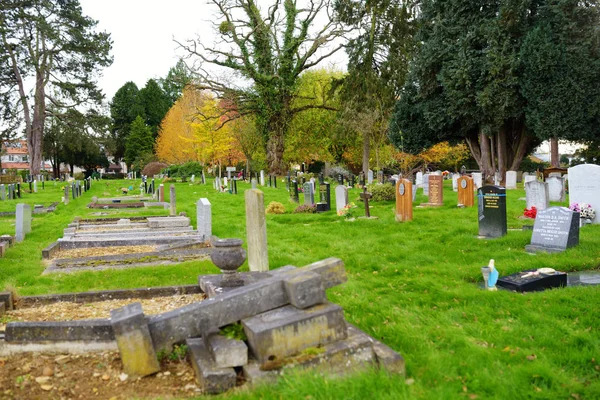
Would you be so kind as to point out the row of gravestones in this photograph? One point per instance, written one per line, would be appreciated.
(10, 191)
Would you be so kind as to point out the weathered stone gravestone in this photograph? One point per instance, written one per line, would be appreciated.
(2, 192)
(161, 193)
(555, 229)
(584, 187)
(404, 200)
(492, 211)
(341, 197)
(529, 178)
(465, 191)
(172, 201)
(477, 180)
(204, 218)
(262, 177)
(309, 193)
(66, 197)
(455, 182)
(426, 184)
(436, 191)
(256, 228)
(370, 177)
(536, 194)
(23, 221)
(511, 179)
(556, 188)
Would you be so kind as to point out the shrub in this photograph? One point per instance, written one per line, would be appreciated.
(385, 192)
(275, 207)
(184, 170)
(153, 168)
(306, 209)
(78, 176)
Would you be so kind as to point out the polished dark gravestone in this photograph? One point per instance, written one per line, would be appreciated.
(492, 211)
(324, 203)
(555, 230)
(533, 280)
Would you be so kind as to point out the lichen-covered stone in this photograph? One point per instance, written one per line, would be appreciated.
(227, 352)
(133, 339)
(211, 378)
(305, 290)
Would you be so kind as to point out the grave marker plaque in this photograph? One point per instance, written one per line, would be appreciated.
(492, 211)
(555, 229)
(404, 199)
(465, 191)
(436, 191)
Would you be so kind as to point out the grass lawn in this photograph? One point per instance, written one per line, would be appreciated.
(413, 285)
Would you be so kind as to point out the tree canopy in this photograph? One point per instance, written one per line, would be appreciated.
(265, 50)
(50, 53)
(492, 73)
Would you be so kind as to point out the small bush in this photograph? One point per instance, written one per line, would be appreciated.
(153, 168)
(385, 192)
(305, 209)
(275, 207)
(78, 176)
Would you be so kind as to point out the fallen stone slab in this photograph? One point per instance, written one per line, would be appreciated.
(133, 339)
(91, 329)
(227, 352)
(287, 331)
(177, 325)
(84, 243)
(57, 347)
(211, 378)
(162, 204)
(342, 357)
(127, 233)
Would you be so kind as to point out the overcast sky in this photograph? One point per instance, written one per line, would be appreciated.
(142, 32)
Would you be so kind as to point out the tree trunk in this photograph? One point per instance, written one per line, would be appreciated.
(275, 148)
(366, 153)
(34, 139)
(502, 159)
(554, 156)
(486, 155)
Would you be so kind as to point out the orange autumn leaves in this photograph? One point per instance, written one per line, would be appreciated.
(193, 130)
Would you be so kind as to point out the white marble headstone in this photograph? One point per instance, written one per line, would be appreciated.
(341, 197)
(419, 179)
(477, 180)
(426, 185)
(536, 194)
(455, 182)
(511, 179)
(584, 187)
(370, 177)
(556, 188)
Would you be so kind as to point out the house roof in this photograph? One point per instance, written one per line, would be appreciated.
(15, 147)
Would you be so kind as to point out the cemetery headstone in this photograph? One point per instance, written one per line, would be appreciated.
(229, 171)
(18, 190)
(234, 186)
(2, 192)
(426, 184)
(34, 186)
(404, 200)
(262, 178)
(341, 197)
(256, 228)
(584, 187)
(536, 195)
(66, 198)
(419, 179)
(555, 229)
(365, 196)
(370, 177)
(321, 178)
(161, 193)
(492, 211)
(193, 178)
(436, 191)
(288, 180)
(465, 191)
(529, 178)
(511, 179)
(172, 208)
(294, 192)
(380, 177)
(275, 181)
(519, 176)
(23, 221)
(455, 182)
(309, 194)
(477, 180)
(556, 188)
(352, 180)
(361, 179)
(204, 218)
(324, 203)
(253, 183)
(340, 179)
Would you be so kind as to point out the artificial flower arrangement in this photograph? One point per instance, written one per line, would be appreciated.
(530, 212)
(347, 211)
(585, 210)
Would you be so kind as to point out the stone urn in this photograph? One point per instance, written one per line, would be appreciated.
(228, 256)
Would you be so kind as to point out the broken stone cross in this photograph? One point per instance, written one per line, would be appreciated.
(366, 196)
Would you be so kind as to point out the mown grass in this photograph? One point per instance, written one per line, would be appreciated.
(413, 285)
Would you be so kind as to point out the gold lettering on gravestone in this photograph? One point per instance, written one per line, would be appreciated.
(435, 190)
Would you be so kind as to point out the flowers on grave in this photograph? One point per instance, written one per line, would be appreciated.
(530, 212)
(348, 211)
(445, 173)
(585, 210)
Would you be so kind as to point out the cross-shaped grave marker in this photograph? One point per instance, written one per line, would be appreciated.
(366, 196)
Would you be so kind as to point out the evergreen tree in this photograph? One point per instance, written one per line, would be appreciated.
(125, 107)
(177, 79)
(139, 141)
(156, 104)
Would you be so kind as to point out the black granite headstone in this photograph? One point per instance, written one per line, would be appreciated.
(351, 180)
(555, 229)
(532, 281)
(294, 192)
(340, 179)
(492, 211)
(324, 203)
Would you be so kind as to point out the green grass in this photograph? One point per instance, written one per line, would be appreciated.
(413, 285)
